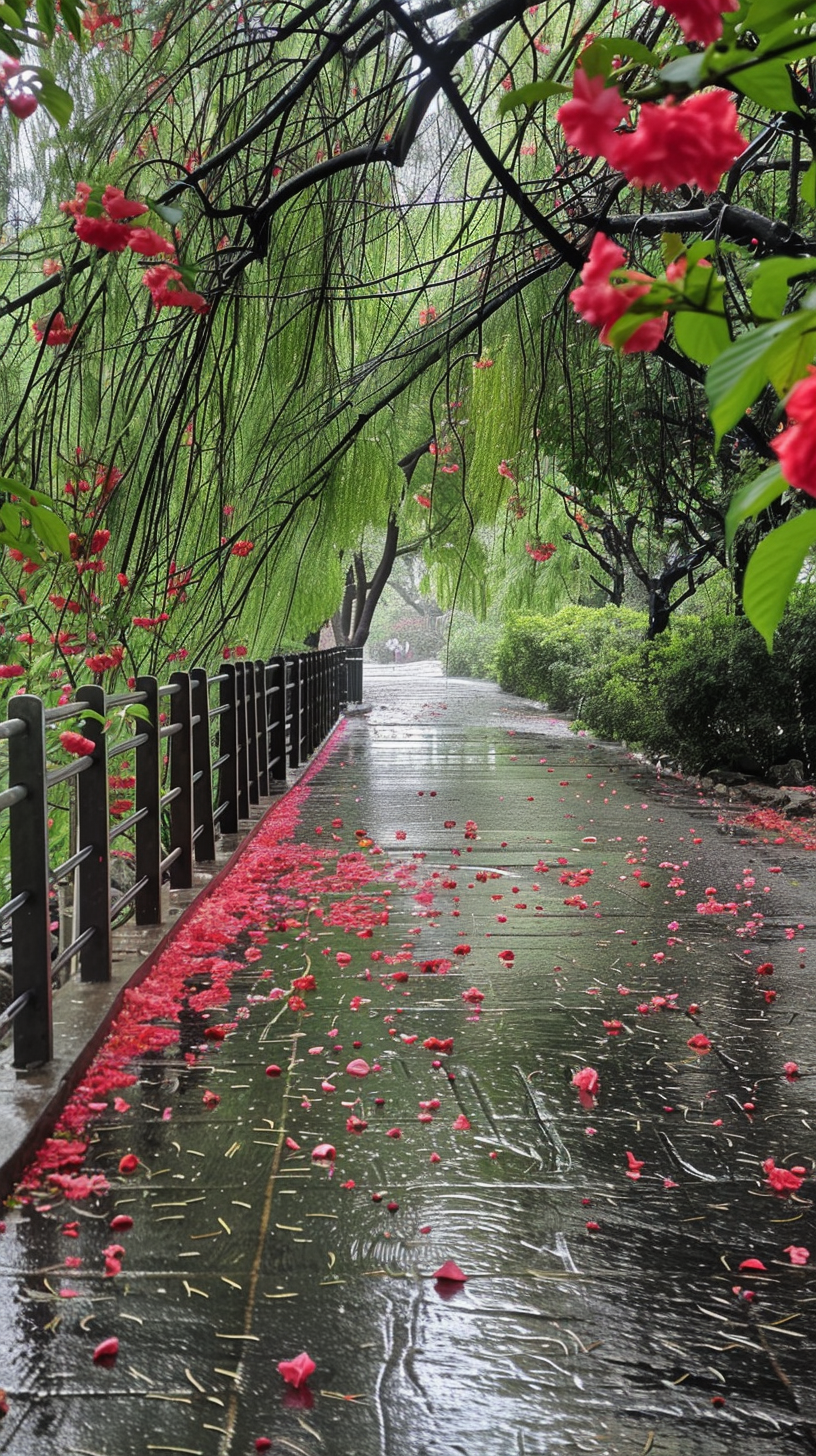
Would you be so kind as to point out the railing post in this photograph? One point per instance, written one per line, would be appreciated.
(228, 751)
(295, 709)
(277, 721)
(309, 703)
(148, 794)
(262, 720)
(204, 833)
(252, 731)
(243, 741)
(93, 821)
(31, 923)
(181, 779)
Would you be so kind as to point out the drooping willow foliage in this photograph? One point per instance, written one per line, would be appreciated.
(387, 263)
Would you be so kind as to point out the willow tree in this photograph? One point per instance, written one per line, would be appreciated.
(385, 221)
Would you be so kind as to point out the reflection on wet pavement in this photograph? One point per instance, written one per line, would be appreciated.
(455, 841)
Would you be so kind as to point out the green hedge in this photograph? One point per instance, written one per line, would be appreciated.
(471, 648)
(705, 692)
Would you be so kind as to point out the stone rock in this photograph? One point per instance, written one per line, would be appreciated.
(728, 776)
(764, 794)
(800, 805)
(792, 772)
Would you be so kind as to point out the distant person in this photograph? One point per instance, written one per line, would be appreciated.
(406, 652)
(392, 646)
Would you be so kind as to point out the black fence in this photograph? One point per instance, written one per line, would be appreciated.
(207, 747)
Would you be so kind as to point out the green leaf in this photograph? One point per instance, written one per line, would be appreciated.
(754, 497)
(739, 375)
(12, 519)
(671, 246)
(631, 321)
(772, 572)
(71, 14)
(770, 281)
(597, 58)
(8, 16)
(8, 46)
(174, 215)
(685, 71)
(807, 186)
(701, 336)
(47, 16)
(14, 487)
(19, 8)
(770, 85)
(56, 101)
(771, 12)
(51, 530)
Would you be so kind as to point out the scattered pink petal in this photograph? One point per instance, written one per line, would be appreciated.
(797, 1253)
(451, 1273)
(751, 1264)
(106, 1352)
(323, 1153)
(129, 1163)
(296, 1372)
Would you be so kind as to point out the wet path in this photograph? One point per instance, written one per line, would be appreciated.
(600, 1312)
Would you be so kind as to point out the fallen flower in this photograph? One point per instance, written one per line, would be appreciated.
(324, 1152)
(129, 1163)
(106, 1352)
(358, 1068)
(699, 1043)
(751, 1264)
(586, 1079)
(451, 1273)
(797, 1253)
(296, 1372)
(783, 1180)
(635, 1165)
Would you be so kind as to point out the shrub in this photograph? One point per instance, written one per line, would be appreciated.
(706, 691)
(471, 648)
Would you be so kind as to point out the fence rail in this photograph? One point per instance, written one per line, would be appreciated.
(198, 766)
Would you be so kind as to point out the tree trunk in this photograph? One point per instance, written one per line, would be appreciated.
(376, 586)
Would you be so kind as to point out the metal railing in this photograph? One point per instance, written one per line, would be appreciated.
(198, 769)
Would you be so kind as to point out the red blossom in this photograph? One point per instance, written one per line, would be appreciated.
(77, 743)
(796, 446)
(699, 1043)
(163, 282)
(681, 143)
(58, 331)
(783, 1180)
(297, 1371)
(589, 120)
(699, 20)
(601, 301)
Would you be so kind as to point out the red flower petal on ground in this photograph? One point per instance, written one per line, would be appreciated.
(635, 1165)
(699, 1043)
(106, 1351)
(461, 1124)
(797, 1253)
(586, 1079)
(273, 1070)
(129, 1163)
(473, 995)
(791, 1070)
(451, 1272)
(120, 1222)
(751, 1264)
(324, 1153)
(296, 1372)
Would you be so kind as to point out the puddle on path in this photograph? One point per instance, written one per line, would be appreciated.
(600, 1312)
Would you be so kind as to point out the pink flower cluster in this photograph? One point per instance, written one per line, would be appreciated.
(796, 446)
(699, 19)
(689, 142)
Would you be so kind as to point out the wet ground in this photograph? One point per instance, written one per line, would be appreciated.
(604, 1308)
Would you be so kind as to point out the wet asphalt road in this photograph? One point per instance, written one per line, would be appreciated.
(602, 1312)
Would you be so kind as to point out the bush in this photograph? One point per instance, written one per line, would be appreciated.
(471, 648)
(705, 692)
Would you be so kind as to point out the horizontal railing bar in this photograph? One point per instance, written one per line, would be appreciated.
(169, 796)
(168, 689)
(217, 712)
(198, 832)
(220, 677)
(7, 910)
(219, 762)
(221, 807)
(71, 950)
(71, 864)
(12, 727)
(198, 775)
(60, 715)
(125, 824)
(195, 720)
(68, 770)
(128, 895)
(170, 858)
(120, 700)
(169, 729)
(12, 1011)
(127, 744)
(14, 795)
